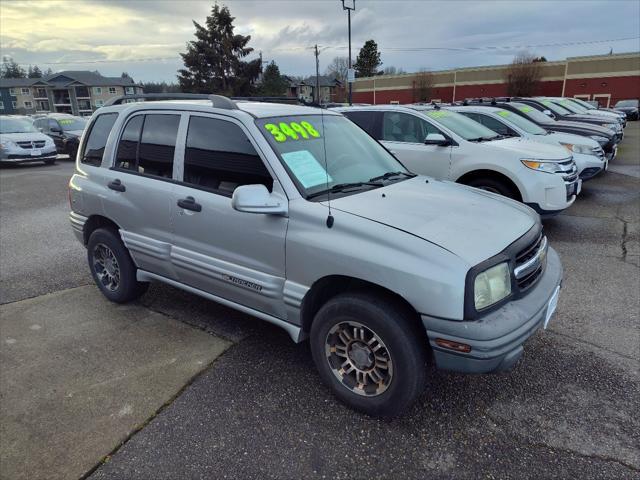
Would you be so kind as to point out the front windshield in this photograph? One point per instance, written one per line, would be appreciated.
(461, 125)
(526, 125)
(579, 101)
(555, 108)
(324, 152)
(569, 105)
(73, 123)
(627, 103)
(16, 125)
(532, 113)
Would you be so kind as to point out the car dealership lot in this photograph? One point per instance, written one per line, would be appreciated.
(568, 409)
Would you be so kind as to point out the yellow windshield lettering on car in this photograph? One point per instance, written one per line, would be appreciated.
(437, 114)
(284, 131)
(504, 113)
(526, 109)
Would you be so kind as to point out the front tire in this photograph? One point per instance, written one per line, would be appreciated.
(495, 186)
(112, 268)
(370, 352)
(72, 151)
(50, 162)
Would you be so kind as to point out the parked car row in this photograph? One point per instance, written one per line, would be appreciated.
(39, 138)
(510, 146)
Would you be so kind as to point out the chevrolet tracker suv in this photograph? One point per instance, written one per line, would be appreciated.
(449, 146)
(586, 152)
(20, 142)
(298, 217)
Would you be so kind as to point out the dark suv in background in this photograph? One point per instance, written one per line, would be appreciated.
(630, 107)
(604, 136)
(64, 129)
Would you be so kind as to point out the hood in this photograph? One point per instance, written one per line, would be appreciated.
(24, 137)
(603, 113)
(526, 148)
(470, 223)
(591, 118)
(74, 133)
(586, 127)
(573, 139)
(627, 109)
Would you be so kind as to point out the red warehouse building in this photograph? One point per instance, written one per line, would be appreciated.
(604, 78)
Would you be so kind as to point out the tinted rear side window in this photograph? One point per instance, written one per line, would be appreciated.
(220, 157)
(97, 140)
(128, 147)
(365, 120)
(157, 145)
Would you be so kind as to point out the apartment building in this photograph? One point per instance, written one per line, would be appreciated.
(331, 89)
(75, 92)
(603, 78)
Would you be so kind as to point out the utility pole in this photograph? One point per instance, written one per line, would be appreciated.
(317, 95)
(349, 5)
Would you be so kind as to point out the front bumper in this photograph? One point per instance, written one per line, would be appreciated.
(496, 339)
(20, 155)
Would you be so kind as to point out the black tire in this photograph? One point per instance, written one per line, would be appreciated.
(127, 288)
(494, 185)
(72, 151)
(50, 162)
(403, 339)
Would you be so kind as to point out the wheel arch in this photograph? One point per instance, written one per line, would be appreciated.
(93, 223)
(332, 285)
(484, 173)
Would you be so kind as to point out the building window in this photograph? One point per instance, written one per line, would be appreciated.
(82, 92)
(84, 105)
(41, 93)
(14, 104)
(24, 91)
(112, 90)
(97, 90)
(1, 105)
(129, 91)
(99, 103)
(28, 104)
(42, 105)
(13, 91)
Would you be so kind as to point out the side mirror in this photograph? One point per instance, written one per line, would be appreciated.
(56, 130)
(41, 130)
(549, 113)
(436, 139)
(257, 199)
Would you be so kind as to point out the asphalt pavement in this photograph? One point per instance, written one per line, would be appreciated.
(569, 409)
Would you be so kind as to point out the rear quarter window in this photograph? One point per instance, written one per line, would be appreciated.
(368, 121)
(97, 139)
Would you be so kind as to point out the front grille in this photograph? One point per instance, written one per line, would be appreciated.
(529, 274)
(30, 145)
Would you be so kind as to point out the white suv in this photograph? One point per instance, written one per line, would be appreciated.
(587, 153)
(447, 145)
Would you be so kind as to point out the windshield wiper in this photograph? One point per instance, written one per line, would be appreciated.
(388, 175)
(342, 187)
(483, 139)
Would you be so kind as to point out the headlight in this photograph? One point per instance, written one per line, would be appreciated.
(491, 286)
(541, 166)
(7, 144)
(611, 126)
(599, 139)
(583, 149)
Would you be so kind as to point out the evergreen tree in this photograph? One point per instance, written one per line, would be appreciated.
(34, 72)
(273, 84)
(11, 69)
(213, 60)
(48, 72)
(368, 60)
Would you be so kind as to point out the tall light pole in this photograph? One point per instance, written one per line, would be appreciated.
(349, 5)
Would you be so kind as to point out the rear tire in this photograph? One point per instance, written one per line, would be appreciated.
(493, 185)
(112, 268)
(370, 352)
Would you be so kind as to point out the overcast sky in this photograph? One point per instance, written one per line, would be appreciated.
(144, 37)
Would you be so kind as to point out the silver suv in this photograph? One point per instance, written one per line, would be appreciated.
(296, 216)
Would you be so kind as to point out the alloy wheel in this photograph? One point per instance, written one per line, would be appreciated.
(106, 267)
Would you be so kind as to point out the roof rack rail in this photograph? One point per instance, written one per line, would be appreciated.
(217, 101)
(287, 100)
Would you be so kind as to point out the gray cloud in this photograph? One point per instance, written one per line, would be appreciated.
(285, 30)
